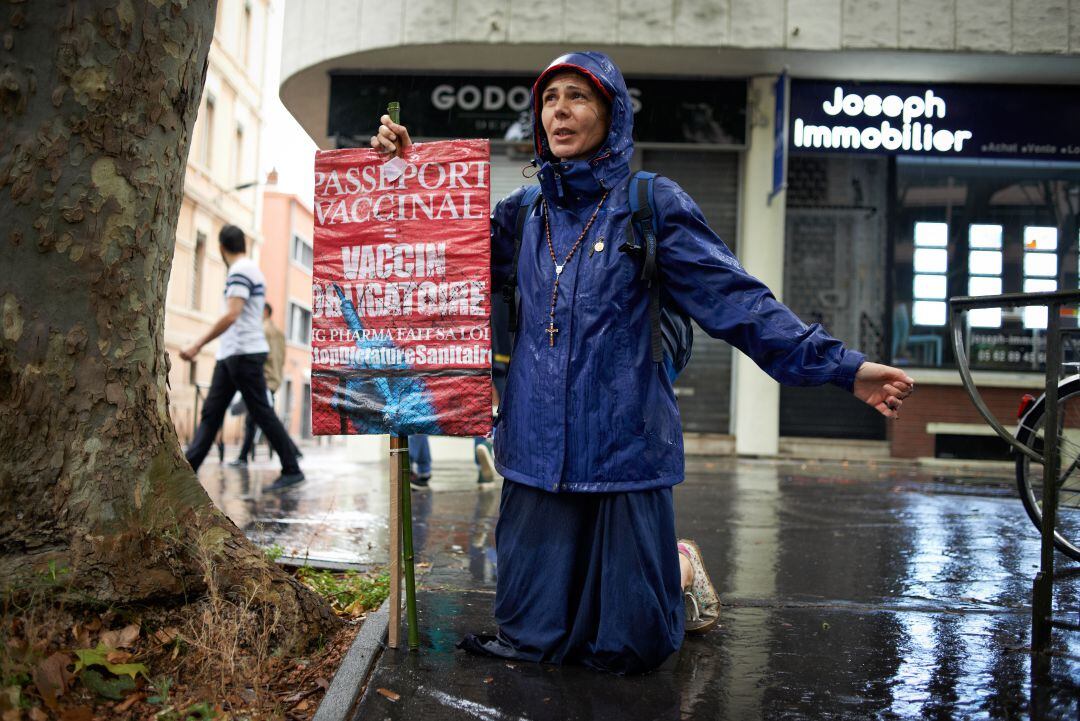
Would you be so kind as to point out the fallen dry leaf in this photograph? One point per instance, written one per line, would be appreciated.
(81, 635)
(388, 694)
(354, 608)
(124, 638)
(302, 706)
(77, 713)
(51, 678)
(118, 657)
(12, 714)
(129, 702)
(322, 683)
(166, 635)
(9, 697)
(36, 714)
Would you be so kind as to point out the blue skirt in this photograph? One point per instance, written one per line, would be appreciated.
(590, 578)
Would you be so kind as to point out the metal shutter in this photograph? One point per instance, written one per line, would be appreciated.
(711, 179)
(834, 274)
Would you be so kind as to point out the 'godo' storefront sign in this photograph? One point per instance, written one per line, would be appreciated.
(682, 110)
(400, 322)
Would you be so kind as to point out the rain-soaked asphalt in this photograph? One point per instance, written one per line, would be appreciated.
(850, 591)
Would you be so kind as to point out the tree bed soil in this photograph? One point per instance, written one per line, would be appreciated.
(213, 658)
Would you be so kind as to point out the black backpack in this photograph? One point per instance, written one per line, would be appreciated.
(672, 333)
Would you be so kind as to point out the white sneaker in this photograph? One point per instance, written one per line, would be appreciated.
(701, 601)
(486, 462)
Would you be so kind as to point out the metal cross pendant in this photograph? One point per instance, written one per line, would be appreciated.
(551, 331)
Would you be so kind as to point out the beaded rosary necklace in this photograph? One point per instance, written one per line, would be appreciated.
(551, 329)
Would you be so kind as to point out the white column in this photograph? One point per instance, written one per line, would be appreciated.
(756, 411)
(756, 547)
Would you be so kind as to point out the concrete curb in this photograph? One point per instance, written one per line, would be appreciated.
(348, 683)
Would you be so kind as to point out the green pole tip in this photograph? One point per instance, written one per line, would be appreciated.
(394, 111)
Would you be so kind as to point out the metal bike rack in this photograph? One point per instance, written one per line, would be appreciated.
(1042, 614)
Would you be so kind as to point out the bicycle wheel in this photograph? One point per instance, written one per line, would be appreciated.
(1029, 473)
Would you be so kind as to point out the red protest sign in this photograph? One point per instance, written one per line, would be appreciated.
(401, 291)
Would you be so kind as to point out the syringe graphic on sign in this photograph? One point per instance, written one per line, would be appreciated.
(392, 399)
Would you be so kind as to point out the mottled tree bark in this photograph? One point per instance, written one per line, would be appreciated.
(97, 103)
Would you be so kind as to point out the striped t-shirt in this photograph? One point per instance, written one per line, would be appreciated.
(245, 335)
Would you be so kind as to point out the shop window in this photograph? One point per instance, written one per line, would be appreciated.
(206, 150)
(984, 271)
(1040, 269)
(931, 265)
(305, 410)
(245, 35)
(198, 259)
(287, 404)
(299, 330)
(1006, 224)
(238, 156)
(301, 252)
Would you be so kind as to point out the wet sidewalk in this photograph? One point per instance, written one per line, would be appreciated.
(849, 592)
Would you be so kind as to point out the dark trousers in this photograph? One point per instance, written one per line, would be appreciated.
(242, 373)
(607, 593)
(420, 454)
(247, 449)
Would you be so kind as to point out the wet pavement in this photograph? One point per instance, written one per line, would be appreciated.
(850, 591)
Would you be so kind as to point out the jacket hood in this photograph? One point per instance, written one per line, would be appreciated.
(611, 162)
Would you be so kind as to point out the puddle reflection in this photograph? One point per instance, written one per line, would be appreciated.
(849, 592)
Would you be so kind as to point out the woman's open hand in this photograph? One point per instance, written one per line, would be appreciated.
(392, 138)
(883, 387)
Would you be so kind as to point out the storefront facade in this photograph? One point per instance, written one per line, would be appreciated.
(825, 234)
(689, 129)
(901, 195)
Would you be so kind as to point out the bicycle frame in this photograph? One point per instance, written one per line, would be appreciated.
(1022, 419)
(1042, 620)
(962, 304)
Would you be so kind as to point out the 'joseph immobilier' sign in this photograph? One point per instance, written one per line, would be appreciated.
(935, 119)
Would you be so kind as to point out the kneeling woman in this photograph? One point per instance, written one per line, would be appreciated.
(588, 436)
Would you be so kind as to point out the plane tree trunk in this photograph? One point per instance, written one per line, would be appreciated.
(97, 103)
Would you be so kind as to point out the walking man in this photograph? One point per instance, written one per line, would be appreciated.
(241, 355)
(272, 370)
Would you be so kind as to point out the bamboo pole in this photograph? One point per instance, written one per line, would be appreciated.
(407, 548)
(400, 500)
(397, 460)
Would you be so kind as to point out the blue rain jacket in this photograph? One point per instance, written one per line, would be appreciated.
(594, 413)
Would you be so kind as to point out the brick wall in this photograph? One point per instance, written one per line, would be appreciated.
(946, 404)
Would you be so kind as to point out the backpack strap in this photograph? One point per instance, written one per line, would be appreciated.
(644, 219)
(509, 290)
